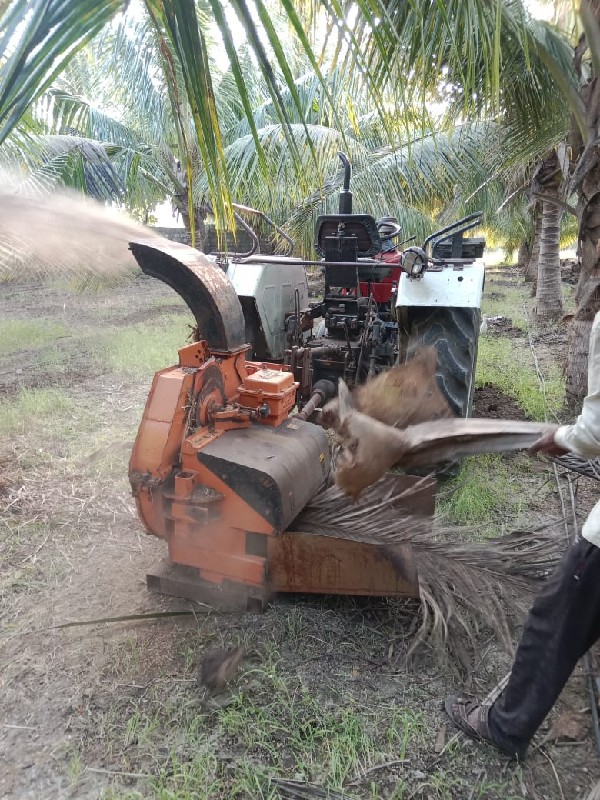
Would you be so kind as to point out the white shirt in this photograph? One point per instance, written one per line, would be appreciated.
(583, 437)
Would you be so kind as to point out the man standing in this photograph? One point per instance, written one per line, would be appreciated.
(564, 621)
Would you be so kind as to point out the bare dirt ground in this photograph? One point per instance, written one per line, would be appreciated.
(113, 709)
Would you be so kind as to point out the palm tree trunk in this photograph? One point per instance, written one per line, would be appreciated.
(579, 337)
(180, 203)
(588, 289)
(531, 267)
(548, 298)
(588, 189)
(523, 254)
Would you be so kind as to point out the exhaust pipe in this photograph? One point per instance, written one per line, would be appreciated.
(345, 206)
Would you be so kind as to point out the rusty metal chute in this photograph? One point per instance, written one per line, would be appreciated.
(204, 287)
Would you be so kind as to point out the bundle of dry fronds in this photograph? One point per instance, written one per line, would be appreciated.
(65, 235)
(465, 586)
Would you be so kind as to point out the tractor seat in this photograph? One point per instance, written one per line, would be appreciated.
(361, 226)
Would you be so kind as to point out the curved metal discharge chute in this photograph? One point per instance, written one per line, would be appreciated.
(207, 291)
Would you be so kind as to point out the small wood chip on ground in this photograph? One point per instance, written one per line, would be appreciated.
(440, 740)
(218, 667)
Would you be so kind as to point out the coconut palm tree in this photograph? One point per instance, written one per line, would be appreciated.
(548, 298)
(584, 183)
(484, 59)
(408, 49)
(136, 155)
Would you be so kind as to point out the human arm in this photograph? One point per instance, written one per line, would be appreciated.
(583, 437)
(547, 444)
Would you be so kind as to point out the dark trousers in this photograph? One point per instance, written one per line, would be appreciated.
(562, 625)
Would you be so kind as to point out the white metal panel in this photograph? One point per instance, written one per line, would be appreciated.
(272, 286)
(462, 288)
(245, 278)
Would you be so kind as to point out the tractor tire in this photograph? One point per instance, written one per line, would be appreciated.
(455, 333)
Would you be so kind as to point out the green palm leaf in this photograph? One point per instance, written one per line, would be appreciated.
(38, 39)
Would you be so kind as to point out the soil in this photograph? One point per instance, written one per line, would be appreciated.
(488, 401)
(72, 549)
(69, 360)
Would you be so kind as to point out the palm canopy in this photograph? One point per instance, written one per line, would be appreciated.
(427, 175)
(490, 54)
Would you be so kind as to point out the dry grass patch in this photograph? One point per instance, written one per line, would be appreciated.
(143, 349)
(32, 407)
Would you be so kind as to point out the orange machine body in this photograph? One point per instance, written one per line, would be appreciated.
(220, 470)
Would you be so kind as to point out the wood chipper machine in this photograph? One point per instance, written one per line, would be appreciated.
(230, 450)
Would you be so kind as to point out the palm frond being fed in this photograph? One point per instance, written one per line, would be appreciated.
(371, 447)
(405, 395)
(464, 586)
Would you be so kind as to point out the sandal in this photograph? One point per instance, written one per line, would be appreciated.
(472, 719)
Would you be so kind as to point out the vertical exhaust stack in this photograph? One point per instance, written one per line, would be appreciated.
(345, 206)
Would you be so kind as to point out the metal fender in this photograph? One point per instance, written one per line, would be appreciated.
(449, 288)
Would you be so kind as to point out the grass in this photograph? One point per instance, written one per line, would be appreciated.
(32, 406)
(141, 350)
(508, 365)
(494, 493)
(97, 284)
(489, 488)
(500, 300)
(276, 725)
(63, 422)
(487, 492)
(20, 334)
(298, 733)
(279, 721)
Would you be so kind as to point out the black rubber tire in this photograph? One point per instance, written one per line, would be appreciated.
(455, 333)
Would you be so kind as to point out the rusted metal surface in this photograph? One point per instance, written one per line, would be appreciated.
(177, 580)
(205, 288)
(300, 562)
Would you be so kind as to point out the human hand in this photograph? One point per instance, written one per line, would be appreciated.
(546, 444)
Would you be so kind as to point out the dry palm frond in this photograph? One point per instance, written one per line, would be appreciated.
(463, 585)
(371, 448)
(406, 394)
(590, 467)
(299, 790)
